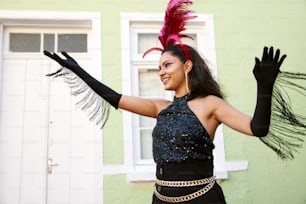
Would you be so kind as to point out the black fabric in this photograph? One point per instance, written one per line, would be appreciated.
(213, 196)
(287, 127)
(265, 72)
(274, 120)
(101, 89)
(179, 135)
(182, 150)
(188, 170)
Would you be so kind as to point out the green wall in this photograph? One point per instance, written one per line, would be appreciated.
(242, 29)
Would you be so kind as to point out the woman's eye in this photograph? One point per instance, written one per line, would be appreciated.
(168, 65)
(165, 65)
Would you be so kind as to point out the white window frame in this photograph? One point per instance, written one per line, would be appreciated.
(43, 30)
(203, 26)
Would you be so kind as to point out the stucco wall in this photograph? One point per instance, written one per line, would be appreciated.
(242, 28)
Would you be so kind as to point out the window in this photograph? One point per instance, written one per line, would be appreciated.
(141, 79)
(149, 87)
(25, 42)
(72, 42)
(36, 42)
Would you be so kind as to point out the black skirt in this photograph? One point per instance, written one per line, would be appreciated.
(189, 170)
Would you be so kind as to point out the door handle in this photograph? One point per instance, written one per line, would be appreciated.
(50, 165)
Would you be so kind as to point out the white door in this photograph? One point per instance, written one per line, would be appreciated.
(24, 133)
(48, 150)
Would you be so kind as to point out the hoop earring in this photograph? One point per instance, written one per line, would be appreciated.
(187, 82)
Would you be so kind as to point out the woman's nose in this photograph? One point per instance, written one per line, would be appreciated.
(161, 72)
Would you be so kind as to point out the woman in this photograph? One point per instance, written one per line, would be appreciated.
(184, 132)
(185, 127)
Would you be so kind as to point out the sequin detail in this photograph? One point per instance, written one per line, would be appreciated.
(179, 135)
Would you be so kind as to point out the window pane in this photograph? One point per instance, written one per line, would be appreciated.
(192, 42)
(149, 83)
(147, 122)
(24, 42)
(146, 144)
(147, 41)
(49, 42)
(72, 42)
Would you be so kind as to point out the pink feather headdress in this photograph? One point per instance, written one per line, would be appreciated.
(176, 16)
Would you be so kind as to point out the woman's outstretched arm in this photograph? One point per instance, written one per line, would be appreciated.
(141, 106)
(145, 107)
(265, 72)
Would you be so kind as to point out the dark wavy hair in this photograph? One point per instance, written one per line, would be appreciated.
(201, 81)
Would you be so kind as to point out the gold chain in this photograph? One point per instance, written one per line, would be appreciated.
(186, 197)
(185, 183)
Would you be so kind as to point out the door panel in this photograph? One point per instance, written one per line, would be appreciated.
(59, 142)
(72, 144)
(23, 134)
(39, 121)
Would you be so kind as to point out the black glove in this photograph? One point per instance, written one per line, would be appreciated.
(102, 90)
(265, 72)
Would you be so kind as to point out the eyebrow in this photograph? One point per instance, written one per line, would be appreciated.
(166, 61)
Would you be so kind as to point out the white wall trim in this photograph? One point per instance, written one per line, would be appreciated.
(1, 53)
(237, 165)
(231, 166)
(13, 15)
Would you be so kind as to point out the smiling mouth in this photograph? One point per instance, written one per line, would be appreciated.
(165, 80)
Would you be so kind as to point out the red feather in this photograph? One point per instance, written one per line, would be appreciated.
(174, 23)
(175, 20)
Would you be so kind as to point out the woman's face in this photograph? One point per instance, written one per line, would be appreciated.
(172, 73)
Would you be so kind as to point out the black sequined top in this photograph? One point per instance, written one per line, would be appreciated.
(179, 135)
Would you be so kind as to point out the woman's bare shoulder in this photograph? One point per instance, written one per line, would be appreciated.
(161, 104)
(210, 100)
(209, 104)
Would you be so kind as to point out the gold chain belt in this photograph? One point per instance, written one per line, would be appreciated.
(202, 191)
(185, 183)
